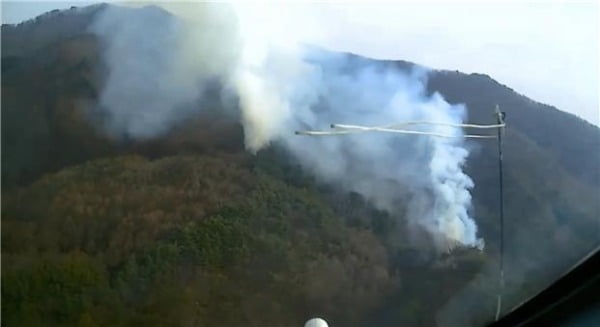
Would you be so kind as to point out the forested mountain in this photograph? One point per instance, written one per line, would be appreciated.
(189, 229)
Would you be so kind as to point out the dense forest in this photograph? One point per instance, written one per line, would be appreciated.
(189, 229)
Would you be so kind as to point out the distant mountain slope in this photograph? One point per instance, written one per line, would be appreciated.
(573, 141)
(52, 75)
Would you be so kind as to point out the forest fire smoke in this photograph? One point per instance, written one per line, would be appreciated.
(284, 85)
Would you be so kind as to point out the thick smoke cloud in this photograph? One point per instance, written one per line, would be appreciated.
(388, 169)
(141, 95)
(159, 64)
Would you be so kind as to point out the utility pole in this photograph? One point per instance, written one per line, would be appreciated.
(500, 120)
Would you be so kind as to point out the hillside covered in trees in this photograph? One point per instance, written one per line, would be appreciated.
(189, 229)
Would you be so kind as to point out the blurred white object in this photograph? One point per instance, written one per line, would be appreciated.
(316, 322)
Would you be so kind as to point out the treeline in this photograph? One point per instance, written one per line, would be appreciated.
(192, 240)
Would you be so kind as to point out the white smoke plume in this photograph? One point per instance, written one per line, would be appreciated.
(157, 67)
(160, 64)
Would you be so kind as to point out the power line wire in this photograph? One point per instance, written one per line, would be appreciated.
(425, 122)
(341, 129)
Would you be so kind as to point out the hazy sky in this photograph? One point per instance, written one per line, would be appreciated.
(546, 50)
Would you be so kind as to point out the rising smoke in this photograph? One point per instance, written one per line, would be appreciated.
(159, 64)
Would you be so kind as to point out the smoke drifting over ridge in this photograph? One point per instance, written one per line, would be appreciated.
(159, 64)
(156, 71)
